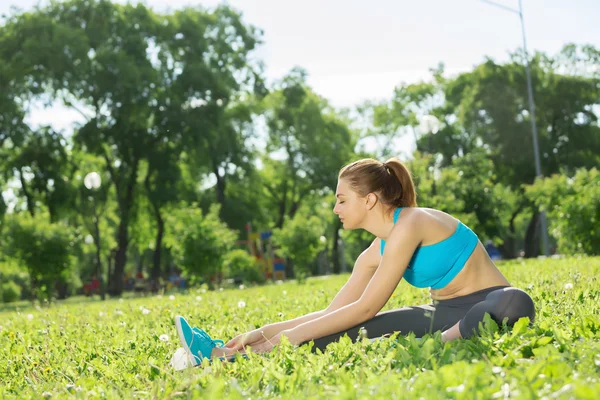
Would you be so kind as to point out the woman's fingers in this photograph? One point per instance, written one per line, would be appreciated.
(234, 343)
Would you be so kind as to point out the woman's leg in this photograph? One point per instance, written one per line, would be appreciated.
(509, 302)
(419, 320)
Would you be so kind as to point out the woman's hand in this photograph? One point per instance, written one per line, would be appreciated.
(267, 345)
(251, 338)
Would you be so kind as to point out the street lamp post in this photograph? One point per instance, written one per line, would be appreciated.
(92, 182)
(430, 125)
(536, 150)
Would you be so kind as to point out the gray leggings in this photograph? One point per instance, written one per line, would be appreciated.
(499, 302)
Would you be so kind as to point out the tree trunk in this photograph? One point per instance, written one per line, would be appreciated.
(156, 257)
(158, 245)
(125, 206)
(335, 249)
(508, 248)
(220, 187)
(532, 242)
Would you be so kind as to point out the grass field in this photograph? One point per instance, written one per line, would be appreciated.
(122, 348)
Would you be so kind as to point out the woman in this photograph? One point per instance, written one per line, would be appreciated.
(426, 247)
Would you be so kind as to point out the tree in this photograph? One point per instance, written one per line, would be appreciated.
(314, 141)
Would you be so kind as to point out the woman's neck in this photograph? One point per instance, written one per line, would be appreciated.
(380, 224)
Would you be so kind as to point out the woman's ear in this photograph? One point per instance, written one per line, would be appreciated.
(372, 200)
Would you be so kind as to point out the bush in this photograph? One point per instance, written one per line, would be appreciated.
(43, 248)
(240, 264)
(10, 292)
(573, 207)
(199, 242)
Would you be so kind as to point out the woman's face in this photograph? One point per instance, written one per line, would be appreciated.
(349, 206)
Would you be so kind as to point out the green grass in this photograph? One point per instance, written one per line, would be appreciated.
(113, 350)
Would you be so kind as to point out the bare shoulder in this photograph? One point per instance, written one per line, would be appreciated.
(410, 223)
(427, 224)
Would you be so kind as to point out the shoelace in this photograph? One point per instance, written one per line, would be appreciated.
(204, 335)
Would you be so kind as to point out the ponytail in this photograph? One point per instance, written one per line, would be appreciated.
(407, 195)
(390, 180)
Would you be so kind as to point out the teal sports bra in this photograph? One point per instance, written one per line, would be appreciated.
(437, 264)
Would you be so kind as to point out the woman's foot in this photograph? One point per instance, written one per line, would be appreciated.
(199, 344)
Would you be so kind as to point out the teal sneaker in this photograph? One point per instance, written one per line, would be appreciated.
(217, 342)
(194, 342)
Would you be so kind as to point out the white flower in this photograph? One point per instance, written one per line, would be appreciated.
(220, 289)
(568, 286)
(180, 359)
(284, 292)
(171, 297)
(46, 395)
(163, 338)
(198, 298)
(30, 316)
(160, 296)
(119, 312)
(241, 304)
(145, 311)
(121, 300)
(242, 287)
(101, 314)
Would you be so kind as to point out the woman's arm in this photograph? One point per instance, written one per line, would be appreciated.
(364, 269)
(401, 245)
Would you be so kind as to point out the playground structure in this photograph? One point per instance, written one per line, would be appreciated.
(260, 246)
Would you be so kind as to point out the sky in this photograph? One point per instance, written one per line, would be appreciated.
(357, 50)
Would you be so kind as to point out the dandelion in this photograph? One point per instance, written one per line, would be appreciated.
(30, 316)
(163, 338)
(198, 298)
(101, 314)
(568, 286)
(284, 292)
(171, 297)
(145, 311)
(241, 304)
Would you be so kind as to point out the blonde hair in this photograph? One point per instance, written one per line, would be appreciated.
(390, 180)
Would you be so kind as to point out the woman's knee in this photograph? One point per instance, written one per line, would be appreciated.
(507, 304)
(512, 304)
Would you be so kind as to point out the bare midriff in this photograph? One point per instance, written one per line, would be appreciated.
(479, 273)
